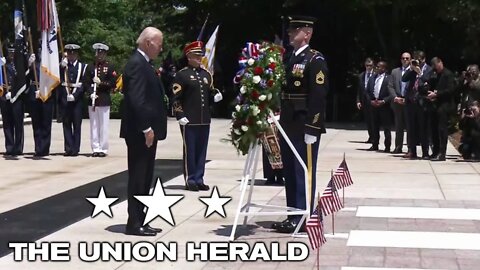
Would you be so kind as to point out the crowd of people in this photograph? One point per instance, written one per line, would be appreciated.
(421, 99)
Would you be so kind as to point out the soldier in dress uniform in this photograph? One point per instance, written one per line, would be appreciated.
(70, 96)
(302, 115)
(41, 113)
(101, 77)
(192, 91)
(12, 106)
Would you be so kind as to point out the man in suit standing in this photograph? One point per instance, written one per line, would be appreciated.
(70, 93)
(144, 122)
(442, 85)
(417, 105)
(380, 98)
(363, 101)
(398, 88)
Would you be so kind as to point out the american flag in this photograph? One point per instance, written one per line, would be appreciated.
(315, 229)
(342, 177)
(19, 84)
(330, 200)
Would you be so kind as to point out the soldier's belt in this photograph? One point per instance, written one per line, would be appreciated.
(293, 96)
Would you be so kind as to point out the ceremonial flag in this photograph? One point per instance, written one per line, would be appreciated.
(207, 60)
(314, 229)
(330, 200)
(19, 84)
(342, 177)
(49, 66)
(200, 35)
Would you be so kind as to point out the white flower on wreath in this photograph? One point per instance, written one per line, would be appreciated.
(259, 123)
(255, 110)
(250, 62)
(256, 79)
(269, 96)
(271, 60)
(244, 128)
(262, 97)
(243, 89)
(237, 132)
(238, 108)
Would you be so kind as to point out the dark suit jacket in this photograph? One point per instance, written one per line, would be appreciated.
(410, 76)
(362, 94)
(384, 92)
(444, 83)
(144, 104)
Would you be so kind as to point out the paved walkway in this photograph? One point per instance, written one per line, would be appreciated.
(426, 214)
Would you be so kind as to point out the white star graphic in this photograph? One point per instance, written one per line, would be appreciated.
(215, 203)
(102, 203)
(159, 204)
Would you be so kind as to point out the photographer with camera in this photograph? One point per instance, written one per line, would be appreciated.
(470, 126)
(470, 86)
(417, 104)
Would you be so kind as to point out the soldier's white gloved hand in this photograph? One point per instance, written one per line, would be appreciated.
(183, 121)
(218, 97)
(309, 139)
(64, 62)
(96, 80)
(3, 61)
(70, 98)
(37, 94)
(8, 95)
(77, 84)
(93, 96)
(31, 59)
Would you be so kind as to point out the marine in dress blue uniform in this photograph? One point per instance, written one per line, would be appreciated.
(192, 95)
(70, 98)
(302, 115)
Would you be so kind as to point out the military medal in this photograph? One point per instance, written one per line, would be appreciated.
(297, 83)
(205, 80)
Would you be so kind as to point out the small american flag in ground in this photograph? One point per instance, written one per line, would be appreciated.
(330, 200)
(342, 177)
(315, 229)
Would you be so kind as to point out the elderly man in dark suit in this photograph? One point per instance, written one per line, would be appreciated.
(363, 101)
(144, 122)
(398, 88)
(417, 105)
(380, 98)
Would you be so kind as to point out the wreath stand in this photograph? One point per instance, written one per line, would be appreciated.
(248, 179)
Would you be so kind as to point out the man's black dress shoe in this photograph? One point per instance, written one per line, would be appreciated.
(101, 154)
(95, 154)
(289, 227)
(387, 150)
(397, 151)
(440, 157)
(141, 231)
(192, 186)
(203, 187)
(270, 181)
(152, 229)
(277, 225)
(373, 148)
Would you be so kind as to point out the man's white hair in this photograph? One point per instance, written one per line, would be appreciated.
(148, 34)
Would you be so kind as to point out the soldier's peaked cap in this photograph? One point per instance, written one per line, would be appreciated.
(195, 47)
(72, 47)
(100, 46)
(296, 21)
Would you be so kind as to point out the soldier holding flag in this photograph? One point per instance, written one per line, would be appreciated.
(70, 95)
(101, 78)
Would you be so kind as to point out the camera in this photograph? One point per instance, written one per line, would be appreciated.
(415, 62)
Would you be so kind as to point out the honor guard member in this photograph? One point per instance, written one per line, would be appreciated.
(302, 115)
(41, 112)
(70, 98)
(12, 104)
(192, 91)
(101, 82)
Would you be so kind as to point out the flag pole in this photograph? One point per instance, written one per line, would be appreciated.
(333, 214)
(321, 231)
(310, 176)
(343, 189)
(4, 70)
(35, 76)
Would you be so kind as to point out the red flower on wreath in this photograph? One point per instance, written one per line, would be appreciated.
(249, 121)
(272, 66)
(255, 95)
(262, 106)
(270, 83)
(258, 71)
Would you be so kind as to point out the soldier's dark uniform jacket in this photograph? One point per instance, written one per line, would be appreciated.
(11, 74)
(107, 75)
(192, 94)
(72, 74)
(304, 95)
